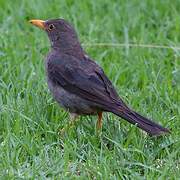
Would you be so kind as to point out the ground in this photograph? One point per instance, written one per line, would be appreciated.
(147, 79)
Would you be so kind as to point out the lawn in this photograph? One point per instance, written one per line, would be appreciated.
(147, 79)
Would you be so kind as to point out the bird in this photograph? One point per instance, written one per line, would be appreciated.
(79, 85)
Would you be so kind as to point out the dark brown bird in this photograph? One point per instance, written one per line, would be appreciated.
(78, 84)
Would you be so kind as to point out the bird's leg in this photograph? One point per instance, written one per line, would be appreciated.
(99, 123)
(72, 119)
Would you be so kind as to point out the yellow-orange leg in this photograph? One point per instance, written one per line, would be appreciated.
(99, 123)
(72, 119)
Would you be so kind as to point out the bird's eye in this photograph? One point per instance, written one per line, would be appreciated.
(51, 27)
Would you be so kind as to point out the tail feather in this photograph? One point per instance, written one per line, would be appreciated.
(143, 123)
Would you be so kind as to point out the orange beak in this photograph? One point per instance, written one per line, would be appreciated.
(38, 23)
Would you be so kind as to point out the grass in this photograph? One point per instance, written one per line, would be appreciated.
(147, 79)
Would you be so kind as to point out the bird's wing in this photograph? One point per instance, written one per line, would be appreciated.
(85, 79)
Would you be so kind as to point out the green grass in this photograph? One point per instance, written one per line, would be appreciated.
(147, 79)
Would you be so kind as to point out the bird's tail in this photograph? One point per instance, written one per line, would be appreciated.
(141, 122)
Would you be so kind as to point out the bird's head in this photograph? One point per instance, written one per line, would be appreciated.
(60, 32)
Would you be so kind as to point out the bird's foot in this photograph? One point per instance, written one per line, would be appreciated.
(72, 119)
